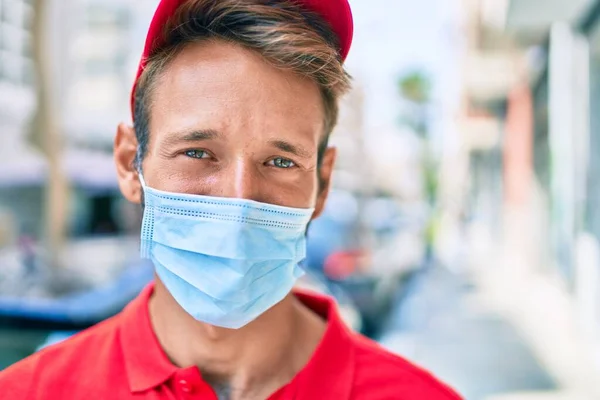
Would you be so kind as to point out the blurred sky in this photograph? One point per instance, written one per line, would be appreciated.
(396, 36)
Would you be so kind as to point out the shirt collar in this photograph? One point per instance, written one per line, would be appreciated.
(146, 363)
(329, 371)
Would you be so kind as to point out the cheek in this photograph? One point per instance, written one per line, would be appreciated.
(175, 175)
(301, 195)
(184, 183)
(302, 191)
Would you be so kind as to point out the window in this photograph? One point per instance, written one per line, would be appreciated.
(15, 40)
(2, 39)
(100, 16)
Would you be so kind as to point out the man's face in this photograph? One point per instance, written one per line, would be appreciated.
(225, 123)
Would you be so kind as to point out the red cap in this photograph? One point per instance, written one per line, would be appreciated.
(335, 12)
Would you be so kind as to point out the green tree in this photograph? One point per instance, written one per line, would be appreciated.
(415, 89)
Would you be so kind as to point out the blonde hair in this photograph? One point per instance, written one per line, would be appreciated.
(286, 35)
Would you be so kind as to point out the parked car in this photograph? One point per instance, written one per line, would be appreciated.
(348, 311)
(367, 247)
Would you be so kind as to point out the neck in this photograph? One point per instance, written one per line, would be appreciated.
(266, 353)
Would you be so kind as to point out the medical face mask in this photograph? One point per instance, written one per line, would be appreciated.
(224, 260)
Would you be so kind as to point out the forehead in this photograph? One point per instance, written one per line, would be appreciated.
(229, 87)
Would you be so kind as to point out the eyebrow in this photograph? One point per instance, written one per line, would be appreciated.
(191, 136)
(208, 134)
(291, 148)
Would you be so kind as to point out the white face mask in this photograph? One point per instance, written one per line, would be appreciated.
(224, 260)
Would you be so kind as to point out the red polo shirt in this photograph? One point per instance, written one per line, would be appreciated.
(122, 359)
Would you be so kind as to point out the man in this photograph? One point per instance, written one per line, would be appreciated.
(233, 106)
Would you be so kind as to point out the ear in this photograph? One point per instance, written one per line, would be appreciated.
(125, 149)
(325, 172)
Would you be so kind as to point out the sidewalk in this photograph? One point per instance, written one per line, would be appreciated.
(442, 325)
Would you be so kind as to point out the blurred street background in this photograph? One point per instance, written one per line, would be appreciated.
(463, 230)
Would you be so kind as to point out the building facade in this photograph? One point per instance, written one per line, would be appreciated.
(542, 90)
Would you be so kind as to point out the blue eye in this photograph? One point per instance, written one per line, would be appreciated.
(196, 154)
(282, 163)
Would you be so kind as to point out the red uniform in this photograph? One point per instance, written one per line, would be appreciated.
(122, 359)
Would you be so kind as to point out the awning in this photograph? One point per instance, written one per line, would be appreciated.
(532, 18)
(83, 168)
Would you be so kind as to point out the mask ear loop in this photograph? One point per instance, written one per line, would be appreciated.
(147, 230)
(138, 166)
(142, 181)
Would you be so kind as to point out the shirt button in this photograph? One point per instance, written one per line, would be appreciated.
(186, 387)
